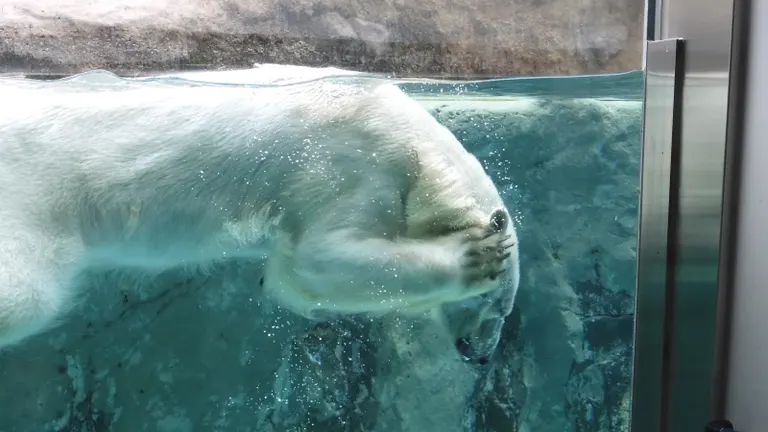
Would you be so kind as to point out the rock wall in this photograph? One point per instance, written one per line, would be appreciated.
(209, 353)
(458, 38)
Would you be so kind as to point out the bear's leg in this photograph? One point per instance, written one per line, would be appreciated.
(35, 281)
(348, 267)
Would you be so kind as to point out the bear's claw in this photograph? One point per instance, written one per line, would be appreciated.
(499, 273)
(486, 254)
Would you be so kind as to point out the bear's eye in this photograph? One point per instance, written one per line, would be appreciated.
(498, 220)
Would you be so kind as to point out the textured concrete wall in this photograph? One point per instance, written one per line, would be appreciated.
(458, 38)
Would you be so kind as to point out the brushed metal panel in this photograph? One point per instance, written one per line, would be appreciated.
(747, 383)
(706, 26)
(664, 72)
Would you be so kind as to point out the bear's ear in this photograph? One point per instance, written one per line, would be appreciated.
(499, 220)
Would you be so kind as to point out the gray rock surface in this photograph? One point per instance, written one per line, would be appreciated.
(436, 37)
(208, 352)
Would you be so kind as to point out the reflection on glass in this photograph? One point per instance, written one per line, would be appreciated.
(209, 351)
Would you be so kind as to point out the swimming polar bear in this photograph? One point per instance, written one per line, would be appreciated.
(360, 199)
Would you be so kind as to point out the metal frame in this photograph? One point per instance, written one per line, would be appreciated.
(659, 200)
(734, 150)
(747, 383)
(685, 266)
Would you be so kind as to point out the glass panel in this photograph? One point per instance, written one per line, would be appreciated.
(128, 194)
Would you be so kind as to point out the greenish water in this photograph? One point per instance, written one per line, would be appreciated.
(622, 86)
(563, 151)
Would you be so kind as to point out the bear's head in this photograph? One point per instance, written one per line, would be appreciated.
(475, 324)
(452, 192)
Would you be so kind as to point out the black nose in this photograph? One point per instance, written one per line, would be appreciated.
(498, 220)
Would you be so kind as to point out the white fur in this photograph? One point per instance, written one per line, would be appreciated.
(362, 201)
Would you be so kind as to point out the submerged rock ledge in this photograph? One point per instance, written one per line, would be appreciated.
(456, 38)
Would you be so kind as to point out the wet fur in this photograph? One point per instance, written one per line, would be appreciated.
(362, 201)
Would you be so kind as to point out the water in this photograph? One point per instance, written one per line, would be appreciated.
(207, 353)
(622, 86)
(565, 152)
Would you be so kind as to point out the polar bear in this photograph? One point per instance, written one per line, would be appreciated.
(360, 200)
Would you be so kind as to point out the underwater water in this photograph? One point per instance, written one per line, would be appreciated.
(180, 353)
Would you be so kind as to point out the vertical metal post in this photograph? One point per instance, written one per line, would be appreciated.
(707, 27)
(659, 201)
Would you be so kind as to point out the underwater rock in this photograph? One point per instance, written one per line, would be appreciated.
(501, 392)
(325, 380)
(421, 382)
(442, 37)
(185, 352)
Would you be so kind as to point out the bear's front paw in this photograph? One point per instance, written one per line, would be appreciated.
(485, 256)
